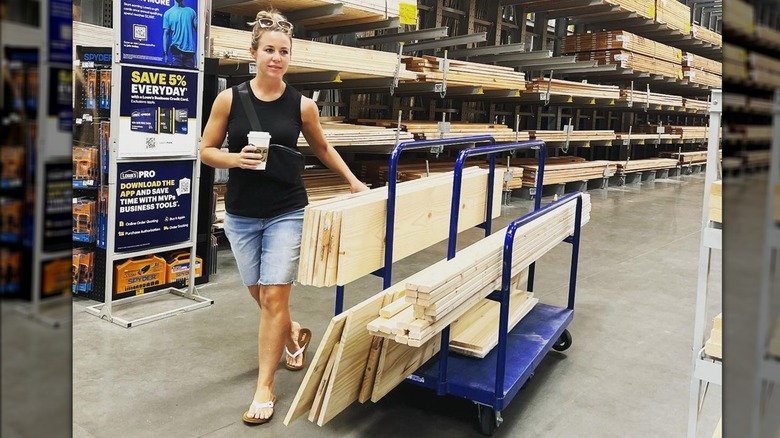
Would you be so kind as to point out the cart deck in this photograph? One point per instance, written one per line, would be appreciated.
(527, 344)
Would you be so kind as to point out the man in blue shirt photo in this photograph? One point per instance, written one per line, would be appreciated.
(180, 25)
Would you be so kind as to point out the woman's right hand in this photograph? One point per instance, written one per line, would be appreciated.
(248, 158)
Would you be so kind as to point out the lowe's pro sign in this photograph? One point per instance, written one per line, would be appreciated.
(158, 113)
(160, 32)
(153, 206)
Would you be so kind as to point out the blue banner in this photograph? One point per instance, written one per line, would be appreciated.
(160, 32)
(153, 204)
(158, 112)
(60, 31)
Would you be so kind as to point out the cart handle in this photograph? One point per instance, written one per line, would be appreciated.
(506, 274)
(457, 183)
(392, 183)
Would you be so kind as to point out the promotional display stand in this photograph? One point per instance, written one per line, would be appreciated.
(36, 170)
(152, 164)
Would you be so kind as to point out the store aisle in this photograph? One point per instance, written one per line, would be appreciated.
(626, 374)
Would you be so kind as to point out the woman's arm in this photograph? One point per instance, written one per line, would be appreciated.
(214, 135)
(312, 131)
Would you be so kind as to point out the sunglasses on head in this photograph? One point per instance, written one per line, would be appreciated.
(282, 25)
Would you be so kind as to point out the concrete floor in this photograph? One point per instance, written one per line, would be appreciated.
(626, 374)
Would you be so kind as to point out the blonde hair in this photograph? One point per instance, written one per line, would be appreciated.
(258, 31)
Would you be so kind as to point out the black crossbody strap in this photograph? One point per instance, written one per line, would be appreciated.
(249, 109)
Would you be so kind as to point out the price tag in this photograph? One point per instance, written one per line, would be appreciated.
(408, 13)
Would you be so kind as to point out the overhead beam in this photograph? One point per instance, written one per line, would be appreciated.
(447, 42)
(522, 56)
(536, 63)
(488, 50)
(315, 12)
(392, 23)
(413, 35)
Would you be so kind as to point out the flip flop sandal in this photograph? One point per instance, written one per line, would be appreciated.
(257, 405)
(304, 336)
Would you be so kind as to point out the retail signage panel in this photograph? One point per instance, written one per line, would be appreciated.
(153, 204)
(160, 32)
(60, 97)
(57, 207)
(60, 31)
(158, 112)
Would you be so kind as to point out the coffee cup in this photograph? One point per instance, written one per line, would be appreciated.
(260, 140)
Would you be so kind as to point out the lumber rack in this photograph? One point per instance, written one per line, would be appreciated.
(386, 271)
(457, 375)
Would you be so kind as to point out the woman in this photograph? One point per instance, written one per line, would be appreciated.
(264, 216)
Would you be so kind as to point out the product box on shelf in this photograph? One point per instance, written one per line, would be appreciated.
(11, 213)
(135, 275)
(84, 220)
(83, 270)
(12, 169)
(85, 167)
(10, 268)
(55, 279)
(178, 269)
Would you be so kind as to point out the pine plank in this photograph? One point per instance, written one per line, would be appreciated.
(398, 361)
(304, 398)
(324, 383)
(369, 376)
(351, 359)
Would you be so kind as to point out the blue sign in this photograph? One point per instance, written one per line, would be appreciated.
(160, 32)
(60, 31)
(158, 112)
(153, 204)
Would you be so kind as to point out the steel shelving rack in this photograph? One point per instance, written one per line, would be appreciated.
(706, 370)
(768, 367)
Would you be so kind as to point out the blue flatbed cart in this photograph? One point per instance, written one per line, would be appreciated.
(492, 382)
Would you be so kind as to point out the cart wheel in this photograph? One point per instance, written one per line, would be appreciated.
(564, 342)
(487, 420)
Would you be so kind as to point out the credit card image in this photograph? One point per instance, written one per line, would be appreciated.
(144, 120)
(181, 121)
(165, 120)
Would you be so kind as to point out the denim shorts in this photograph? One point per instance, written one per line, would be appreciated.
(266, 250)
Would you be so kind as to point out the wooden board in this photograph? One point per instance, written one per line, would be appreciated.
(475, 334)
(398, 361)
(304, 398)
(637, 62)
(716, 202)
(674, 15)
(706, 35)
(351, 359)
(620, 40)
(572, 88)
(323, 386)
(369, 376)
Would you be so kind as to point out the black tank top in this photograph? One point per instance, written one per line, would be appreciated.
(249, 192)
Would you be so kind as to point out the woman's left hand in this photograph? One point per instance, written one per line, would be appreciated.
(359, 187)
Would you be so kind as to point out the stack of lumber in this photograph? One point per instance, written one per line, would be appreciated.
(706, 35)
(759, 105)
(763, 70)
(634, 61)
(742, 17)
(748, 132)
(338, 133)
(735, 62)
(645, 136)
(686, 158)
(757, 157)
(702, 77)
(649, 98)
(716, 201)
(344, 237)
(644, 8)
(571, 88)
(568, 172)
(429, 130)
(311, 56)
(323, 184)
(695, 104)
(768, 35)
(714, 345)
(674, 14)
(350, 365)
(774, 343)
(444, 292)
(697, 62)
(375, 171)
(624, 167)
(619, 40)
(465, 73)
(584, 135)
(688, 132)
